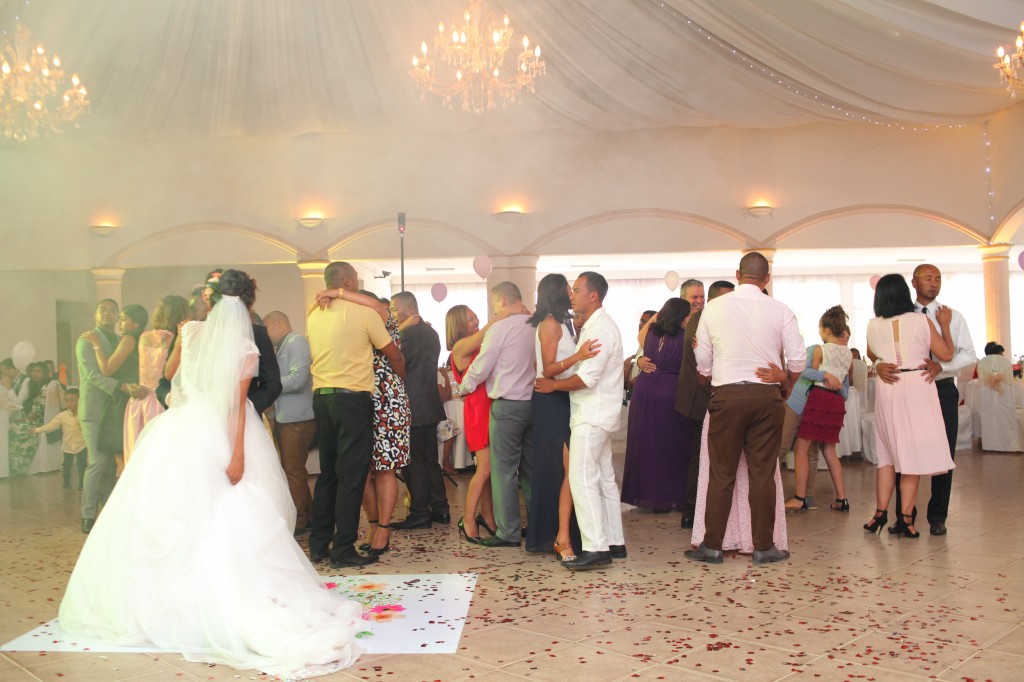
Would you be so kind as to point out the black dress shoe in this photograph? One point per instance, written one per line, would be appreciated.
(412, 523)
(87, 525)
(686, 522)
(938, 528)
(354, 561)
(705, 554)
(588, 561)
(443, 517)
(770, 555)
(493, 541)
(316, 556)
(617, 551)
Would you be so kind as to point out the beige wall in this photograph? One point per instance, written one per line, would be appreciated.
(450, 185)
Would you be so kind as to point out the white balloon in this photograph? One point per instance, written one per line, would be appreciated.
(672, 280)
(23, 354)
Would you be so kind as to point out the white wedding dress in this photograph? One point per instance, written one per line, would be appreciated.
(182, 559)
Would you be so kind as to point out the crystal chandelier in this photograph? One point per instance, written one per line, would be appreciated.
(36, 97)
(476, 50)
(1011, 65)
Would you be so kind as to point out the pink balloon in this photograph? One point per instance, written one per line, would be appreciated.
(874, 280)
(439, 292)
(1020, 260)
(482, 266)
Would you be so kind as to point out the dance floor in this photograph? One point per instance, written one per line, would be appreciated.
(847, 606)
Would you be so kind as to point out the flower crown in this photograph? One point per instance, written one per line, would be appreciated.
(212, 289)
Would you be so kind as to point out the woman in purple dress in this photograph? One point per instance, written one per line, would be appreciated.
(658, 438)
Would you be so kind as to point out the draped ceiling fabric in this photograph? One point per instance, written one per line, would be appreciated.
(200, 68)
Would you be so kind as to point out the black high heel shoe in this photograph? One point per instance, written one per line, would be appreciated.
(842, 505)
(904, 527)
(894, 529)
(482, 523)
(462, 529)
(377, 551)
(878, 522)
(365, 547)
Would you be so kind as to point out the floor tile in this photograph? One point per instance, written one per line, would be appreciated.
(847, 605)
(577, 662)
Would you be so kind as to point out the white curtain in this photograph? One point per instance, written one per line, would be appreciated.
(472, 294)
(284, 67)
(626, 301)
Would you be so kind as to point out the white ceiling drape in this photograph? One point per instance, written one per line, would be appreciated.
(288, 67)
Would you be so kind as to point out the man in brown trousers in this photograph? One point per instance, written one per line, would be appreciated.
(737, 335)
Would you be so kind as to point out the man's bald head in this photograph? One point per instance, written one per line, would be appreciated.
(753, 269)
(278, 325)
(341, 275)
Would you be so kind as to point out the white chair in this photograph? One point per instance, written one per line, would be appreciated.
(996, 407)
(868, 442)
(965, 428)
(860, 382)
(850, 437)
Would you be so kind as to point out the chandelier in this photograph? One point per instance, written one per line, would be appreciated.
(476, 50)
(1011, 65)
(36, 97)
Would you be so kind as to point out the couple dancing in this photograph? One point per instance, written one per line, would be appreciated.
(194, 551)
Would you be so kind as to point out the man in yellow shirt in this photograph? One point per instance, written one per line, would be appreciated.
(342, 336)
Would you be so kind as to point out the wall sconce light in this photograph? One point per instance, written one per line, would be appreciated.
(312, 221)
(509, 216)
(103, 229)
(759, 211)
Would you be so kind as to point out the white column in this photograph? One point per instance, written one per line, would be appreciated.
(996, 268)
(312, 273)
(520, 270)
(108, 283)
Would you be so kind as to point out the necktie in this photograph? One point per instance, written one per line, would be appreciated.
(924, 310)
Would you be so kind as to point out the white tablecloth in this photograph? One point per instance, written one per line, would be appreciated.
(850, 440)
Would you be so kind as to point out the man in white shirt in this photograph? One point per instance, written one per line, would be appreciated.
(595, 403)
(927, 282)
(738, 334)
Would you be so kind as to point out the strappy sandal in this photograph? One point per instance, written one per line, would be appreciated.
(365, 547)
(559, 548)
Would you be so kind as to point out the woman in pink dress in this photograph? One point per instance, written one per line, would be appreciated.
(154, 347)
(739, 534)
(911, 439)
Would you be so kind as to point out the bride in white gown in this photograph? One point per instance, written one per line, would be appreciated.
(194, 551)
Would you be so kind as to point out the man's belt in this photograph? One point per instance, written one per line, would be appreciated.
(332, 391)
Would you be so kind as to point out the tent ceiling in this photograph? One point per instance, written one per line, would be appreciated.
(199, 68)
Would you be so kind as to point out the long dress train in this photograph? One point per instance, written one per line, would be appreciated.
(185, 560)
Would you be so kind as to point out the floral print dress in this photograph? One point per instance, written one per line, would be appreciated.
(392, 417)
(21, 442)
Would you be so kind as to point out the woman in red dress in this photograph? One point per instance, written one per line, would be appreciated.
(464, 336)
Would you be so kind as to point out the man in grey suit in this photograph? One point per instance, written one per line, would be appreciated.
(94, 390)
(293, 423)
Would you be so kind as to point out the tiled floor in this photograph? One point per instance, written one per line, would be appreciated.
(848, 606)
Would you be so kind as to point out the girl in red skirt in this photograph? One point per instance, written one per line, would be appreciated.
(823, 415)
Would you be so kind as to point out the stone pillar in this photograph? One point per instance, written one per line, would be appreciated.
(996, 268)
(770, 255)
(521, 270)
(312, 273)
(108, 283)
